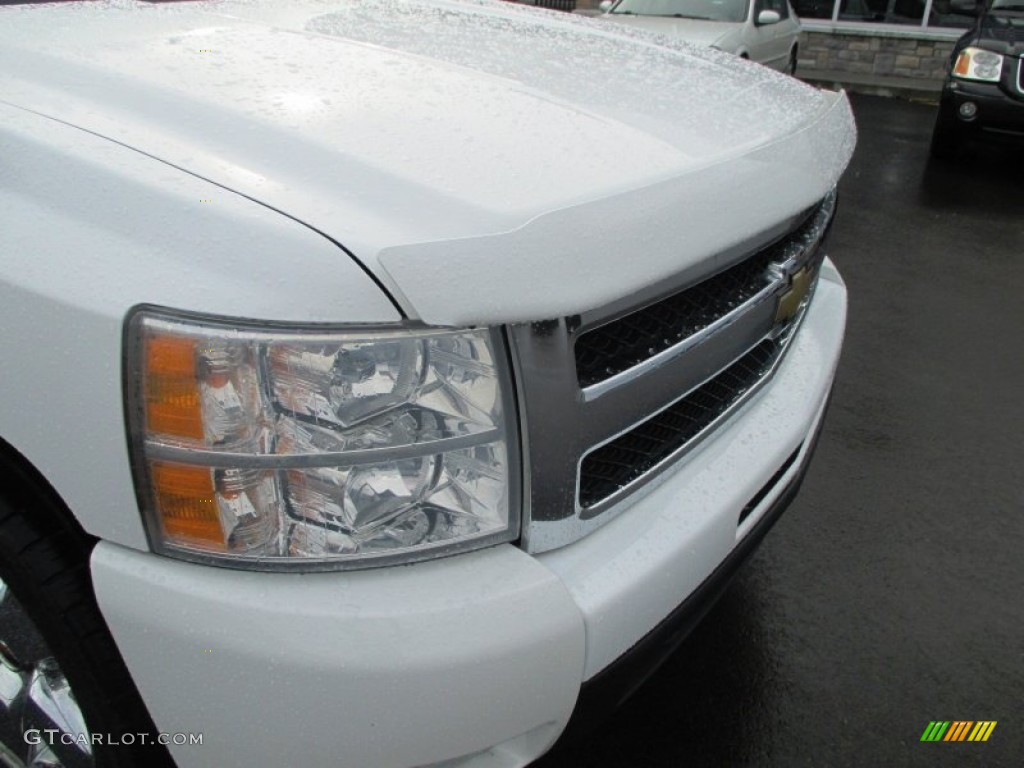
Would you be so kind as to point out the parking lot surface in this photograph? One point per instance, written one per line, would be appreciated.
(891, 594)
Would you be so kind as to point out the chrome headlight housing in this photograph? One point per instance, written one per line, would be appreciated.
(344, 447)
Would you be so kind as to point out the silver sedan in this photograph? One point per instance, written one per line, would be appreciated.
(765, 31)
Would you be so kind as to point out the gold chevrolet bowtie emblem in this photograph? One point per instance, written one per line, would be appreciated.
(790, 301)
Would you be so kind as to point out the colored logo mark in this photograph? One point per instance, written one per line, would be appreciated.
(958, 730)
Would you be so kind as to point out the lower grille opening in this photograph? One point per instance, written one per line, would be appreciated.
(755, 502)
(619, 462)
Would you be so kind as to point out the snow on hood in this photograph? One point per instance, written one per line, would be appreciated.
(464, 151)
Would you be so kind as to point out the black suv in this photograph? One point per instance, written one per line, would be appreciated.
(984, 91)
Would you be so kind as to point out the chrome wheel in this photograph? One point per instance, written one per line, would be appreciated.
(35, 697)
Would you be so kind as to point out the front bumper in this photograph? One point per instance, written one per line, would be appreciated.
(477, 658)
(999, 114)
(609, 688)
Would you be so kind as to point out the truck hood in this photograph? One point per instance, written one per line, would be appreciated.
(487, 162)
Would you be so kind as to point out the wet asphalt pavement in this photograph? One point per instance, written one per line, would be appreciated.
(892, 592)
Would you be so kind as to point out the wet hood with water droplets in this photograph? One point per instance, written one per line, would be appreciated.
(488, 162)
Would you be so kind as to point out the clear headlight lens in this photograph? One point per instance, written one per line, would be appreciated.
(976, 64)
(343, 448)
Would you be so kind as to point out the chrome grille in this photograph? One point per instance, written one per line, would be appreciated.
(628, 457)
(627, 341)
(611, 397)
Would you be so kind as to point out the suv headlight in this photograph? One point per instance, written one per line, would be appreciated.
(337, 447)
(977, 64)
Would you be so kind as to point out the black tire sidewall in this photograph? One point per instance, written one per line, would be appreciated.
(47, 571)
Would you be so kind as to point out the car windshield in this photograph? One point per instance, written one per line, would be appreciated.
(710, 10)
(1008, 5)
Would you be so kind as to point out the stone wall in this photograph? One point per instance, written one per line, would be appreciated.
(866, 54)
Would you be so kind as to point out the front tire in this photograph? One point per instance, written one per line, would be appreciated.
(59, 666)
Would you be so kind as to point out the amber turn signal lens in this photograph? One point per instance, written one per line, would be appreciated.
(173, 405)
(963, 64)
(186, 502)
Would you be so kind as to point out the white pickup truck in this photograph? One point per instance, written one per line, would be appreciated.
(386, 383)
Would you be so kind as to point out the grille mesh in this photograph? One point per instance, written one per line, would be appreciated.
(627, 341)
(617, 463)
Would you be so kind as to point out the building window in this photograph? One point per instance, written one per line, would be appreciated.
(883, 11)
(917, 13)
(949, 13)
(813, 9)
